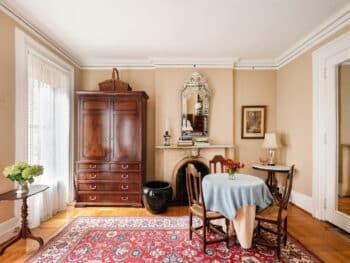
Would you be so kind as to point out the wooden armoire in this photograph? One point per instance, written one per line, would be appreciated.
(111, 163)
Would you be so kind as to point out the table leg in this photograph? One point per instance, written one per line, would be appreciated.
(24, 232)
(10, 242)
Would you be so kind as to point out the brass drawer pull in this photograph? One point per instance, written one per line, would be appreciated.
(93, 187)
(125, 187)
(124, 198)
(93, 166)
(125, 176)
(125, 166)
(92, 198)
(92, 176)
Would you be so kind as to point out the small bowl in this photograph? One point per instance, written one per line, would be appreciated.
(263, 160)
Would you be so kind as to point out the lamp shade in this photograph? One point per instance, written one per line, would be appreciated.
(270, 141)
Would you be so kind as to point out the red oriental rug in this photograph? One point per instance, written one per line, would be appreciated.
(150, 239)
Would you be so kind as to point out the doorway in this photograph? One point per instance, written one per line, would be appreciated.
(331, 153)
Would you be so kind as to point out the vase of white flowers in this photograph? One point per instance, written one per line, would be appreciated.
(22, 173)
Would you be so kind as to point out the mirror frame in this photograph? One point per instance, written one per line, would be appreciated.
(196, 84)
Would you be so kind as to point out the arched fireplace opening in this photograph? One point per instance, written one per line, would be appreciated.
(181, 191)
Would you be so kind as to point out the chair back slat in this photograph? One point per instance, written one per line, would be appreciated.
(194, 186)
(287, 189)
(218, 160)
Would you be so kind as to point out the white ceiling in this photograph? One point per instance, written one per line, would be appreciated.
(107, 32)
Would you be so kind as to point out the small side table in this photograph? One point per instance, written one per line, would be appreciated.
(271, 181)
(25, 231)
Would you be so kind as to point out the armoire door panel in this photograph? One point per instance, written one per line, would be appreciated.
(126, 136)
(95, 135)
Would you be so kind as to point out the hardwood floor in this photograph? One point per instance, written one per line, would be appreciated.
(328, 242)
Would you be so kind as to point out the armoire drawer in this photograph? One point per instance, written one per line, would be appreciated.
(109, 186)
(109, 198)
(126, 176)
(125, 167)
(93, 166)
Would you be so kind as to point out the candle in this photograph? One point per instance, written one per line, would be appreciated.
(167, 125)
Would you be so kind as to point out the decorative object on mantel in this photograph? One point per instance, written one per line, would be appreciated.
(232, 168)
(166, 138)
(253, 122)
(270, 143)
(114, 84)
(201, 141)
(22, 173)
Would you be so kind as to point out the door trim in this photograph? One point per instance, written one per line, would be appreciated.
(325, 125)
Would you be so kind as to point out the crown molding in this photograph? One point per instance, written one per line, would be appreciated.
(163, 62)
(247, 64)
(329, 27)
(38, 33)
(326, 29)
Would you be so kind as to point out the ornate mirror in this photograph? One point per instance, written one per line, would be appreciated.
(195, 107)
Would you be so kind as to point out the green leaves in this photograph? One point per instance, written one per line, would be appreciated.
(22, 171)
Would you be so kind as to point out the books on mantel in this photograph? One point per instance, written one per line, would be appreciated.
(185, 141)
(201, 141)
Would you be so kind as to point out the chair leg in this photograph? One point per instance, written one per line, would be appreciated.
(259, 228)
(285, 232)
(279, 252)
(279, 243)
(190, 234)
(227, 236)
(204, 235)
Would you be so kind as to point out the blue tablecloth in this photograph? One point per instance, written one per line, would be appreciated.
(227, 196)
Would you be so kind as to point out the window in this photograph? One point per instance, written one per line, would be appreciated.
(44, 114)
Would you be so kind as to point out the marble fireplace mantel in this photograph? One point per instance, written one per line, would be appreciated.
(194, 150)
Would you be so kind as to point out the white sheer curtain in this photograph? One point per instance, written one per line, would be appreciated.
(48, 135)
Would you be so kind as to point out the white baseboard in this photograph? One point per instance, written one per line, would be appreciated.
(302, 200)
(8, 229)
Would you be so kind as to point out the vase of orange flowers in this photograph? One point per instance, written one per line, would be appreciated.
(232, 168)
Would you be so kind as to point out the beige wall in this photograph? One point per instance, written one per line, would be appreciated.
(294, 115)
(229, 91)
(253, 87)
(344, 151)
(344, 100)
(7, 105)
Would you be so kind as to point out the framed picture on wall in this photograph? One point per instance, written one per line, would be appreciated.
(253, 122)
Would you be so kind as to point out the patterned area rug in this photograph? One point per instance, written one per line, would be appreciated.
(150, 239)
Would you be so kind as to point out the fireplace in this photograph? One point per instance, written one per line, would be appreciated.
(172, 162)
(181, 191)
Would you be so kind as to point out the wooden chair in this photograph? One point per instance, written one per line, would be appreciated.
(277, 216)
(218, 159)
(197, 208)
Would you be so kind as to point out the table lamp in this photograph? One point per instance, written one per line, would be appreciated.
(270, 143)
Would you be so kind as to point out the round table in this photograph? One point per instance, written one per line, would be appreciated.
(271, 181)
(237, 200)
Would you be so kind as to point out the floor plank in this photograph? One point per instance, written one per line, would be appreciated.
(328, 242)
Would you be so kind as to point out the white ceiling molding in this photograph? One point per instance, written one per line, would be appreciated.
(42, 36)
(194, 62)
(331, 26)
(245, 64)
